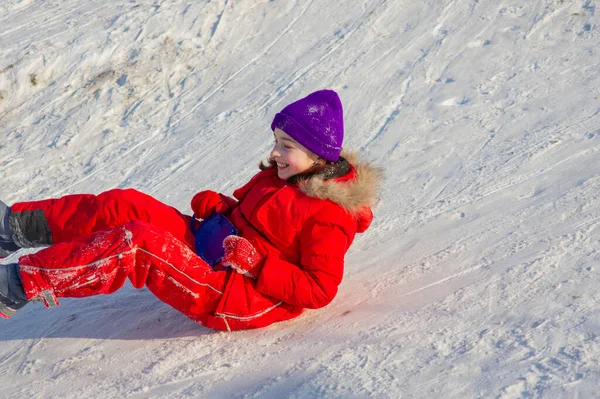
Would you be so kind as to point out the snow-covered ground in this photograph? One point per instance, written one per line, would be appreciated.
(479, 277)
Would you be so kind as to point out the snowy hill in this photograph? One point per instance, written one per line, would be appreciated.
(479, 277)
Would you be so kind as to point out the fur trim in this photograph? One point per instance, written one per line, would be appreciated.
(352, 195)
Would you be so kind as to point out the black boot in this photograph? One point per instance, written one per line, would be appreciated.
(12, 294)
(7, 245)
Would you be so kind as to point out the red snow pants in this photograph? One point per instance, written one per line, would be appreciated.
(132, 236)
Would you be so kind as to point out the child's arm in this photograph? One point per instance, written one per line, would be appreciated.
(205, 203)
(314, 283)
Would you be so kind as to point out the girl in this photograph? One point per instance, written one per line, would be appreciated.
(295, 220)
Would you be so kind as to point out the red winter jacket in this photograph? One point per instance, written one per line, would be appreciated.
(303, 231)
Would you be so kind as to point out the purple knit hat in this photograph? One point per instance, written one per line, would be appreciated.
(315, 121)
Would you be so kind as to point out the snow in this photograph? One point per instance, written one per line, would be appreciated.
(479, 275)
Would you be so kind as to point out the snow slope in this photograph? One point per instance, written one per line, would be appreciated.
(479, 276)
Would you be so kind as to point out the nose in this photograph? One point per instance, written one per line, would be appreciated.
(275, 153)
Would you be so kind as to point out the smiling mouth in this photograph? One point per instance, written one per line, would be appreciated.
(281, 165)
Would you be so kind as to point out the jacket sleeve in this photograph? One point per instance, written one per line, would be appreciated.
(314, 283)
(231, 203)
(241, 192)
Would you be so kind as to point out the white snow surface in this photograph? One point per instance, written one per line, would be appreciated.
(479, 276)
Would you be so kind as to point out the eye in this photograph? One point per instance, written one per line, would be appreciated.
(289, 147)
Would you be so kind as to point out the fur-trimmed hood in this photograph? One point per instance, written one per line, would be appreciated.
(352, 194)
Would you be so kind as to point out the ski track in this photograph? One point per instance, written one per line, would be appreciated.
(263, 51)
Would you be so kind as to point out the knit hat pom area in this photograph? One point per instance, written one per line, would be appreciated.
(315, 121)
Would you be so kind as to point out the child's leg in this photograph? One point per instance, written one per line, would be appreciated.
(51, 221)
(99, 263)
(12, 295)
(6, 242)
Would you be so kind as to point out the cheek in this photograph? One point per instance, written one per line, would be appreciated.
(294, 160)
(302, 163)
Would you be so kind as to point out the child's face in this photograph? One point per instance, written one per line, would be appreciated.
(291, 157)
